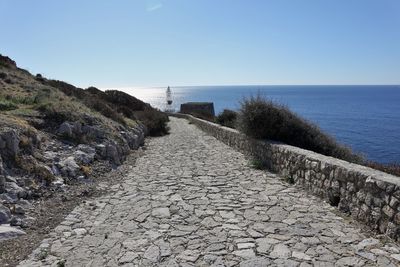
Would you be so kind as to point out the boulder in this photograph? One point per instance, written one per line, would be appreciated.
(8, 232)
(2, 143)
(87, 148)
(69, 167)
(14, 191)
(83, 158)
(112, 154)
(131, 139)
(2, 177)
(6, 198)
(5, 214)
(44, 172)
(65, 129)
(22, 221)
(101, 150)
(10, 143)
(55, 170)
(7, 62)
(77, 128)
(93, 132)
(18, 209)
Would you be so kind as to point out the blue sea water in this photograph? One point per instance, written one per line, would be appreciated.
(366, 118)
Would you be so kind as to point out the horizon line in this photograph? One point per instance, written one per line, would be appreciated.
(235, 85)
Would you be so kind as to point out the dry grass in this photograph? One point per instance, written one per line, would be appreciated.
(86, 170)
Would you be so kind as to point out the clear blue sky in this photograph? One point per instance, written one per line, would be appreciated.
(123, 43)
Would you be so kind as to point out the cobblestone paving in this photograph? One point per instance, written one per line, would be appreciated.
(193, 201)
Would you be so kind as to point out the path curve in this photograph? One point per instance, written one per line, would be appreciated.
(193, 201)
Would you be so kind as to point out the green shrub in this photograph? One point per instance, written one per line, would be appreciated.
(55, 115)
(155, 121)
(261, 118)
(6, 105)
(227, 118)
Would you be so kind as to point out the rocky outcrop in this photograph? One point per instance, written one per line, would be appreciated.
(28, 166)
(78, 131)
(2, 176)
(5, 214)
(7, 62)
(104, 148)
(9, 143)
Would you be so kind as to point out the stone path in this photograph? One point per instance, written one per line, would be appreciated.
(193, 201)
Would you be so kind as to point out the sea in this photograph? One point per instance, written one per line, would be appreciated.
(365, 118)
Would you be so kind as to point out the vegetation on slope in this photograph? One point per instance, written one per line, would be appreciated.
(26, 96)
(227, 118)
(261, 118)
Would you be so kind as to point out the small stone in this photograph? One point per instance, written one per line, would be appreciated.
(257, 262)
(152, 253)
(189, 255)
(215, 247)
(395, 256)
(369, 242)
(227, 214)
(128, 257)
(80, 231)
(231, 226)
(209, 222)
(254, 233)
(19, 210)
(8, 232)
(310, 240)
(161, 212)
(281, 251)
(245, 253)
(300, 256)
(165, 249)
(367, 255)
(245, 245)
(349, 261)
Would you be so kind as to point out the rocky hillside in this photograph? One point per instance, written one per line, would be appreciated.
(51, 133)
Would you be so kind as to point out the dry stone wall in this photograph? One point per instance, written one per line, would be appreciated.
(370, 196)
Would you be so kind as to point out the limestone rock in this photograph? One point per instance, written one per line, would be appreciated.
(281, 251)
(161, 212)
(257, 262)
(65, 129)
(152, 253)
(69, 167)
(8, 232)
(2, 176)
(5, 214)
(10, 143)
(112, 154)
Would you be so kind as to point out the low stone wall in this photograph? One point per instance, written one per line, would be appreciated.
(370, 196)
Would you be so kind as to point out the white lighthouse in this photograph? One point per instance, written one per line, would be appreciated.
(169, 107)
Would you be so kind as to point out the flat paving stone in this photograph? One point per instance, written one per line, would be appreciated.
(193, 201)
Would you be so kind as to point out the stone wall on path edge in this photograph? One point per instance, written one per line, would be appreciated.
(369, 196)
